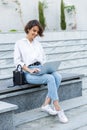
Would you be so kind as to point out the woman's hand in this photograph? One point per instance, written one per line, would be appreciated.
(34, 70)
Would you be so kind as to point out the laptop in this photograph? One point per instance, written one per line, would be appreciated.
(49, 67)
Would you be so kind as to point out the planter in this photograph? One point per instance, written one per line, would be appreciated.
(70, 14)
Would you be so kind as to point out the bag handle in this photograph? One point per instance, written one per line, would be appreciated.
(19, 67)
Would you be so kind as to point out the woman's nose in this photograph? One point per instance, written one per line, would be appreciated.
(36, 33)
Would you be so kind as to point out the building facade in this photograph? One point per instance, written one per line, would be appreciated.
(15, 13)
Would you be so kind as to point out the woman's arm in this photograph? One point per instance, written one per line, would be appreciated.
(17, 56)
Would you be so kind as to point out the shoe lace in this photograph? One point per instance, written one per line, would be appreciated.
(49, 107)
(62, 114)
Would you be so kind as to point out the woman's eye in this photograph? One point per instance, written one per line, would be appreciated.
(35, 31)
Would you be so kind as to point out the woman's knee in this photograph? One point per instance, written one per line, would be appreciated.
(50, 77)
(60, 76)
(57, 75)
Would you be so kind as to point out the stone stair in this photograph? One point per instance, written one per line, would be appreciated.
(6, 60)
(35, 119)
(77, 122)
(75, 109)
(7, 41)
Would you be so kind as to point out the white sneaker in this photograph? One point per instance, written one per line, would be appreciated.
(49, 110)
(62, 116)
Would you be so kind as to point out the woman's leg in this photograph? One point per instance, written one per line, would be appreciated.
(52, 89)
(58, 79)
(52, 93)
(44, 79)
(60, 112)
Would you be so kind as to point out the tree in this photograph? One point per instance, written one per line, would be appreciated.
(41, 14)
(62, 17)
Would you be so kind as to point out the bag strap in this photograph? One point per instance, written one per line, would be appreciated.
(19, 67)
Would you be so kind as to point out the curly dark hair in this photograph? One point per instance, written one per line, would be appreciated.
(33, 23)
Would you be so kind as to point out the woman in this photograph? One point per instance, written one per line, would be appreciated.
(29, 54)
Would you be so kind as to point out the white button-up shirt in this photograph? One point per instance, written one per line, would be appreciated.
(27, 53)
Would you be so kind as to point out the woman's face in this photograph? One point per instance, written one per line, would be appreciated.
(33, 32)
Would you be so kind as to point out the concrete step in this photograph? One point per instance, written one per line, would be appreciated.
(5, 47)
(7, 66)
(6, 71)
(5, 77)
(70, 87)
(6, 54)
(6, 82)
(77, 121)
(6, 57)
(35, 114)
(6, 61)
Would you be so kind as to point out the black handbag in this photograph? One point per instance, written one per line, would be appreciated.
(18, 76)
